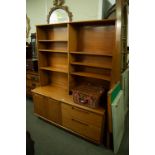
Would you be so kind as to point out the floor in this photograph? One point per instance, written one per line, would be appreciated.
(51, 140)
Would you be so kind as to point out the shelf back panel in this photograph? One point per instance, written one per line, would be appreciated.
(93, 60)
(59, 79)
(53, 60)
(99, 71)
(53, 33)
(54, 78)
(53, 45)
(76, 81)
(96, 39)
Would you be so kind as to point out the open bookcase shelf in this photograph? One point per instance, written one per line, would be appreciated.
(50, 50)
(92, 75)
(52, 41)
(78, 49)
(108, 66)
(70, 54)
(56, 69)
(93, 53)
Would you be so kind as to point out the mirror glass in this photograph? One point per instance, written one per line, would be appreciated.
(59, 15)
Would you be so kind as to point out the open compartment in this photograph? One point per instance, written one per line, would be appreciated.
(59, 46)
(91, 72)
(48, 78)
(54, 62)
(91, 61)
(52, 32)
(92, 38)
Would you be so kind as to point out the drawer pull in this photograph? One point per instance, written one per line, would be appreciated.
(80, 110)
(79, 122)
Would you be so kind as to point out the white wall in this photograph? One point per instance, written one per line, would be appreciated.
(37, 10)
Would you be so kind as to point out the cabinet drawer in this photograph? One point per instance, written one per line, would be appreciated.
(28, 91)
(82, 128)
(31, 84)
(32, 77)
(82, 115)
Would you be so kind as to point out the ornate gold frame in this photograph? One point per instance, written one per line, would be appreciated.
(58, 5)
(28, 27)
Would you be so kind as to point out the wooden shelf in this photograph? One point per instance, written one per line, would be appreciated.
(56, 51)
(61, 69)
(92, 53)
(46, 26)
(92, 75)
(107, 66)
(92, 22)
(61, 94)
(52, 41)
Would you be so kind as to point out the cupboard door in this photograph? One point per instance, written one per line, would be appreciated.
(54, 111)
(40, 105)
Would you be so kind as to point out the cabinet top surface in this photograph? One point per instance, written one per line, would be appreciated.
(103, 21)
(60, 94)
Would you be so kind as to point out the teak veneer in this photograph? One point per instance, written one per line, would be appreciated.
(69, 54)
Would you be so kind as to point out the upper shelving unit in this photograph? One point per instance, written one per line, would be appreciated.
(91, 47)
(81, 50)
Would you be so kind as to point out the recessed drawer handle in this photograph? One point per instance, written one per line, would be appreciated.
(80, 110)
(79, 122)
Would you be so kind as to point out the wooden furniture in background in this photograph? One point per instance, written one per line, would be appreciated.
(32, 81)
(32, 75)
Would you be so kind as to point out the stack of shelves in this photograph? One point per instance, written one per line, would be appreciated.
(91, 46)
(70, 54)
(53, 54)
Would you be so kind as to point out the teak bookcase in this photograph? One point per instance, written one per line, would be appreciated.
(73, 53)
(70, 54)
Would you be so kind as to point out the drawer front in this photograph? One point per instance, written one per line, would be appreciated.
(28, 91)
(32, 77)
(32, 84)
(82, 115)
(82, 128)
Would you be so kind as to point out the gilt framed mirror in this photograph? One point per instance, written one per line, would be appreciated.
(27, 26)
(59, 13)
